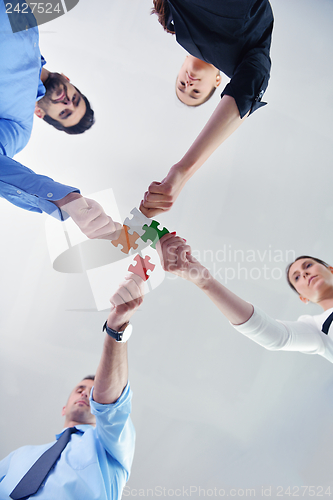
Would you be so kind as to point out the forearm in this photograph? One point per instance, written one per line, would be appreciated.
(223, 122)
(235, 309)
(112, 372)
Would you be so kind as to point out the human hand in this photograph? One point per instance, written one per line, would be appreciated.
(89, 216)
(125, 301)
(176, 258)
(161, 195)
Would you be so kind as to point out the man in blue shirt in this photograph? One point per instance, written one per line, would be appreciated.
(96, 462)
(27, 87)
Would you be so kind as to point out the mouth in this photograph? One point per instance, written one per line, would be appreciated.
(191, 77)
(61, 97)
(310, 280)
(83, 402)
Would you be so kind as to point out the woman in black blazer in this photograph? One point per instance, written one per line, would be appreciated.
(232, 36)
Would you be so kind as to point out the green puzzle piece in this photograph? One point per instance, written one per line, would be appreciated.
(153, 233)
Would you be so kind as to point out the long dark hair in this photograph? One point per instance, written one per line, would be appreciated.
(161, 9)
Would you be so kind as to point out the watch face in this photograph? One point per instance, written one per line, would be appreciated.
(127, 333)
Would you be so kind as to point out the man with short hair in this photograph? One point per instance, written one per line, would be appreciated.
(96, 461)
(27, 87)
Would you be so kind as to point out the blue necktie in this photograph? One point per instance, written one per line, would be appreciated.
(32, 480)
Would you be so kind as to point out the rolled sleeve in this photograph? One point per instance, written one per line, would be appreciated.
(249, 82)
(115, 429)
(30, 191)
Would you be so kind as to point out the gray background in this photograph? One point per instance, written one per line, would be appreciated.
(211, 408)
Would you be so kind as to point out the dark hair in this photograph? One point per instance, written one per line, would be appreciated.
(89, 377)
(84, 124)
(162, 10)
(323, 263)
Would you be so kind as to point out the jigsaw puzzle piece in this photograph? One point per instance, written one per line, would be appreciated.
(141, 267)
(152, 233)
(126, 240)
(136, 222)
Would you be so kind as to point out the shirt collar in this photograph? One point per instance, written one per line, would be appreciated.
(82, 428)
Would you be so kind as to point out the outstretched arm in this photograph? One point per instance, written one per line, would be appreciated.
(302, 335)
(176, 258)
(89, 216)
(38, 193)
(224, 121)
(112, 372)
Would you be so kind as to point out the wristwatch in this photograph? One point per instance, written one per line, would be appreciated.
(123, 335)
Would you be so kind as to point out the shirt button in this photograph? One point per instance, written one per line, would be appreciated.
(19, 192)
(49, 195)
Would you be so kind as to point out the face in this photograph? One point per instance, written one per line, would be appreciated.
(77, 408)
(195, 81)
(313, 281)
(62, 101)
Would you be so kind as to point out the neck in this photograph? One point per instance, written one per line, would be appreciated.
(326, 303)
(44, 75)
(73, 423)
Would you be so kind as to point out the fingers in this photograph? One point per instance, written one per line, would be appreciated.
(91, 219)
(129, 293)
(150, 212)
(173, 252)
(157, 199)
(162, 188)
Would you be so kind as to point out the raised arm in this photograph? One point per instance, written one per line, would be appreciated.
(176, 258)
(302, 335)
(112, 372)
(224, 121)
(38, 193)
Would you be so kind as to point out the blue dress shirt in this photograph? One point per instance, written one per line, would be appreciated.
(20, 87)
(95, 464)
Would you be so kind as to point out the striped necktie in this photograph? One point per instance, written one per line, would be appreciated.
(32, 480)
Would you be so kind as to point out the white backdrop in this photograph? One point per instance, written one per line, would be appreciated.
(211, 408)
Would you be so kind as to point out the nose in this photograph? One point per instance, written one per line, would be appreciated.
(188, 82)
(68, 102)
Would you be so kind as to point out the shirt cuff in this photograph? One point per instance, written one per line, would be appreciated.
(97, 408)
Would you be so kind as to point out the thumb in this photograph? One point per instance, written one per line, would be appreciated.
(160, 187)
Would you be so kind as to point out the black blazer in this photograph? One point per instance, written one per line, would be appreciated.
(234, 36)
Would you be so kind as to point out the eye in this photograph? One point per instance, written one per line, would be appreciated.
(196, 91)
(309, 264)
(62, 113)
(182, 83)
(296, 278)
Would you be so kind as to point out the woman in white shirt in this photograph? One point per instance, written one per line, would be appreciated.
(312, 279)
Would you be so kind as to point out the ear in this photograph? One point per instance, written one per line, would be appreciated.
(65, 77)
(304, 300)
(218, 80)
(39, 111)
(331, 269)
(63, 412)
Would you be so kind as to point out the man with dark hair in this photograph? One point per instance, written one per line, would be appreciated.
(63, 105)
(92, 457)
(27, 87)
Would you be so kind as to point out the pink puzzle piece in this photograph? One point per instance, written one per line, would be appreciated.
(141, 267)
